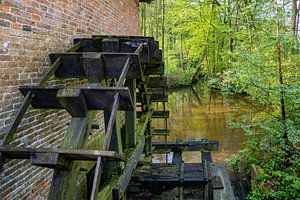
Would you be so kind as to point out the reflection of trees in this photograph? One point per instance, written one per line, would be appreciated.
(198, 112)
(196, 96)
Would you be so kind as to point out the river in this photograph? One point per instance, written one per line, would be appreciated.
(198, 112)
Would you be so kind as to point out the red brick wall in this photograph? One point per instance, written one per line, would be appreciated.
(29, 31)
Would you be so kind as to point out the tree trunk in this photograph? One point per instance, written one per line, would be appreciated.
(199, 66)
(294, 30)
(163, 28)
(294, 17)
(181, 53)
(144, 20)
(280, 75)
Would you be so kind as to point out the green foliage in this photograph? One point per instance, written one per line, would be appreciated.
(244, 47)
(178, 77)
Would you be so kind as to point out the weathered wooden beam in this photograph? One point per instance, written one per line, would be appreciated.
(50, 160)
(51, 72)
(71, 154)
(206, 155)
(157, 91)
(97, 98)
(62, 186)
(130, 117)
(139, 49)
(123, 45)
(75, 47)
(105, 146)
(73, 67)
(73, 101)
(208, 191)
(125, 178)
(177, 157)
(93, 67)
(110, 45)
(116, 141)
(122, 78)
(148, 135)
(157, 114)
(153, 98)
(161, 132)
(188, 146)
(89, 44)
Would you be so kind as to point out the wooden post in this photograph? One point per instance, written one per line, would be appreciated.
(130, 117)
(148, 145)
(125, 178)
(63, 186)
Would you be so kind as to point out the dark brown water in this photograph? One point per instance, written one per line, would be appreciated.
(197, 112)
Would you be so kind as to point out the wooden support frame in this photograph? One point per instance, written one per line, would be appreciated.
(50, 160)
(67, 165)
(62, 182)
(98, 171)
(72, 154)
(130, 117)
(203, 145)
(93, 67)
(120, 83)
(124, 179)
(73, 101)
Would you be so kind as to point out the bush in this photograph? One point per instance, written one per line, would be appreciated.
(179, 77)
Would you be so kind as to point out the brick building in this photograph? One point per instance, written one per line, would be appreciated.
(29, 31)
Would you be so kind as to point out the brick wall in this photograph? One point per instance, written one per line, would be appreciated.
(29, 31)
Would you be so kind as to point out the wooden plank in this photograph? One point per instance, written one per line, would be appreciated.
(148, 145)
(72, 154)
(110, 45)
(188, 146)
(105, 146)
(75, 48)
(122, 78)
(157, 91)
(72, 66)
(125, 178)
(97, 98)
(155, 53)
(157, 114)
(206, 155)
(93, 67)
(176, 174)
(73, 101)
(50, 160)
(51, 72)
(125, 45)
(62, 186)
(208, 192)
(159, 98)
(114, 64)
(153, 98)
(131, 43)
(177, 157)
(89, 44)
(130, 117)
(139, 49)
(161, 132)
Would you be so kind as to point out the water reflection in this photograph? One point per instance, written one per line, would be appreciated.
(197, 112)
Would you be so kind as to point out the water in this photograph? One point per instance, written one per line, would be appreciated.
(197, 112)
